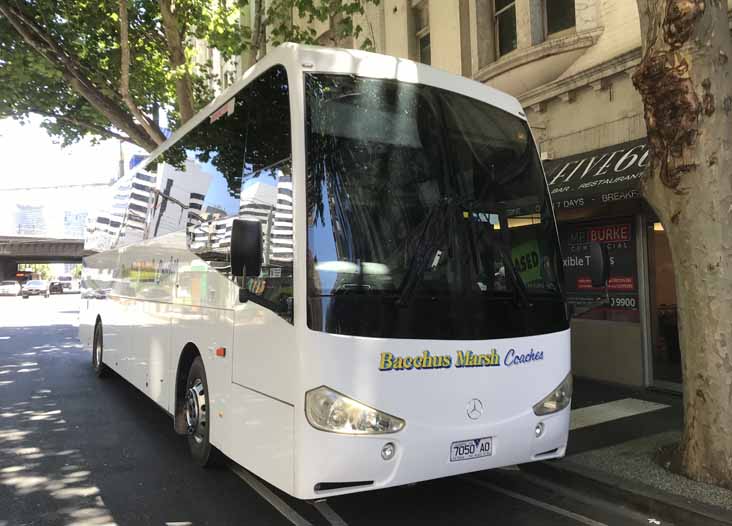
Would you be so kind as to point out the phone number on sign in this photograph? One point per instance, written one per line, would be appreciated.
(623, 303)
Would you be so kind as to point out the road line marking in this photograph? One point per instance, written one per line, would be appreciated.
(329, 513)
(601, 413)
(267, 494)
(539, 504)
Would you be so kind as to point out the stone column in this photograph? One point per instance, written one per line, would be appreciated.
(586, 14)
(445, 35)
(529, 23)
(398, 29)
(482, 34)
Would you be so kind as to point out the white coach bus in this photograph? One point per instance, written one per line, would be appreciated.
(344, 275)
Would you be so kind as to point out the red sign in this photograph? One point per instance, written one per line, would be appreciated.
(610, 233)
(614, 283)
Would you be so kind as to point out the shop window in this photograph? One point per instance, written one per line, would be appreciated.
(618, 301)
(666, 351)
(559, 15)
(505, 25)
(421, 15)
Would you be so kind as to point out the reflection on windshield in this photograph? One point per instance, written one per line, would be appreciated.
(427, 215)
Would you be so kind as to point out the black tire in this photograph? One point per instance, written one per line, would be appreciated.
(198, 416)
(100, 369)
(25, 297)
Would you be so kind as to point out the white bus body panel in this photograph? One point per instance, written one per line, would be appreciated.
(145, 335)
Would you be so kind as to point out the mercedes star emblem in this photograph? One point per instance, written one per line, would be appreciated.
(474, 409)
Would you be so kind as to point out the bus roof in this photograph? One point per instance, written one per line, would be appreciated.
(312, 59)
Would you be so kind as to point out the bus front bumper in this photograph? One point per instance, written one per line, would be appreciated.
(334, 464)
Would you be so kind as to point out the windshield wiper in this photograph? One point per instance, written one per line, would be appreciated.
(426, 248)
(521, 296)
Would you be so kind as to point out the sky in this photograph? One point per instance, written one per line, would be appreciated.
(30, 158)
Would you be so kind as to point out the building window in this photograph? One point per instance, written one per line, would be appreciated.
(422, 28)
(505, 23)
(559, 15)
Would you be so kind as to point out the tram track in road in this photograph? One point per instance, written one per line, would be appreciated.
(619, 509)
(278, 503)
(322, 507)
(567, 506)
(581, 519)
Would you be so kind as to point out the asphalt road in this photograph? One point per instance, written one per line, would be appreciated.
(78, 450)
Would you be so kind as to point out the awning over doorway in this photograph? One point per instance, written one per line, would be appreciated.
(599, 176)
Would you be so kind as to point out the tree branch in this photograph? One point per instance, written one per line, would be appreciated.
(67, 66)
(96, 128)
(47, 40)
(124, 88)
(174, 41)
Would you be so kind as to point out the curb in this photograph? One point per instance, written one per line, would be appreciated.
(641, 497)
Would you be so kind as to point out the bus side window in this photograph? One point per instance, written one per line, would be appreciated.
(266, 194)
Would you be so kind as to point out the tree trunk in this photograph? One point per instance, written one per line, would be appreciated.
(686, 86)
(257, 32)
(183, 81)
(150, 127)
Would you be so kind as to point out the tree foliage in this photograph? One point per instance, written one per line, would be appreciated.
(42, 269)
(108, 68)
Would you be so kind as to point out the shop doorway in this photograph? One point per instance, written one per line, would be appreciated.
(666, 353)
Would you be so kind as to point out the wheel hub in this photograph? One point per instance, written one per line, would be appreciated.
(95, 354)
(195, 410)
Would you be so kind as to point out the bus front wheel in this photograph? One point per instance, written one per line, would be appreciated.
(198, 416)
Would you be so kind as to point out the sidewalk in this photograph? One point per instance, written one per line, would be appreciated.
(615, 433)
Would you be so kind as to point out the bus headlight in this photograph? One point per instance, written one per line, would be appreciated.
(557, 400)
(329, 410)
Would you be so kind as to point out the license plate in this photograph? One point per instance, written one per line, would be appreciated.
(467, 449)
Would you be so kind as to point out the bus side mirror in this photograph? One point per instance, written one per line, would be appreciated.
(246, 248)
(599, 264)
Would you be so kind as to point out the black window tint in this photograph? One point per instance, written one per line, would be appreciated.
(428, 216)
(425, 54)
(559, 15)
(505, 13)
(266, 193)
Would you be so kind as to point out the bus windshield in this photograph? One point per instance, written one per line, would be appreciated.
(428, 215)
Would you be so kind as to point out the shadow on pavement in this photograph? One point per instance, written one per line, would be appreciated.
(78, 450)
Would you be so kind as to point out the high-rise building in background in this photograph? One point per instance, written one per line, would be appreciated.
(280, 244)
(29, 220)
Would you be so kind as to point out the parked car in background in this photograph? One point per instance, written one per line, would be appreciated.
(35, 287)
(68, 283)
(9, 288)
(56, 287)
